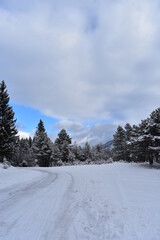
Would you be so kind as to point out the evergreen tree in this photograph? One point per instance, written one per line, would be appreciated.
(119, 144)
(128, 134)
(24, 154)
(81, 155)
(42, 146)
(30, 142)
(153, 132)
(142, 142)
(99, 154)
(63, 142)
(71, 157)
(87, 151)
(8, 131)
(134, 143)
(78, 152)
(56, 155)
(75, 150)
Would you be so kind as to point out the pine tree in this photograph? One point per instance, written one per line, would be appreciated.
(81, 155)
(140, 141)
(143, 140)
(134, 143)
(71, 157)
(24, 154)
(56, 156)
(75, 149)
(128, 134)
(8, 131)
(99, 153)
(119, 144)
(30, 142)
(63, 142)
(42, 146)
(153, 132)
(87, 151)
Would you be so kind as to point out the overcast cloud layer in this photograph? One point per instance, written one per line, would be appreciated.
(94, 134)
(82, 60)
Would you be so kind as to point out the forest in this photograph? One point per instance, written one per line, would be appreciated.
(137, 143)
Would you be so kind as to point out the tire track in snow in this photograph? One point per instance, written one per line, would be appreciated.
(31, 211)
(16, 192)
(67, 213)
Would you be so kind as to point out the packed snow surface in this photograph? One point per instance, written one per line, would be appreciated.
(106, 202)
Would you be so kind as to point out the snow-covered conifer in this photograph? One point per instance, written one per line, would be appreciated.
(8, 131)
(56, 155)
(119, 144)
(42, 146)
(63, 142)
(128, 134)
(87, 151)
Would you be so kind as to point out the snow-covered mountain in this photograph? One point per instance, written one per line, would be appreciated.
(108, 145)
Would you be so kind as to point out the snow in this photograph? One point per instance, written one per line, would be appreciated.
(155, 148)
(116, 201)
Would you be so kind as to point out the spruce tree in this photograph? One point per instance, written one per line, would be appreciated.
(153, 131)
(24, 154)
(87, 151)
(8, 131)
(63, 142)
(141, 143)
(119, 144)
(56, 156)
(128, 134)
(42, 146)
(99, 154)
(134, 143)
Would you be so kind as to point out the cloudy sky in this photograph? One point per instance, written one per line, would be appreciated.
(83, 65)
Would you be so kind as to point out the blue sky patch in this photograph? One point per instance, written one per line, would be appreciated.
(28, 119)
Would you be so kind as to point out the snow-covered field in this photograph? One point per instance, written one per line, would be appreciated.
(106, 202)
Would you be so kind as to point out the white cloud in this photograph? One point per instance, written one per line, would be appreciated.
(82, 60)
(98, 133)
(24, 134)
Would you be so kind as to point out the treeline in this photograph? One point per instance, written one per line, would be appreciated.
(138, 143)
(41, 151)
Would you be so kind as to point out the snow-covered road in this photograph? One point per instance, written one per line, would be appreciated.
(114, 201)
